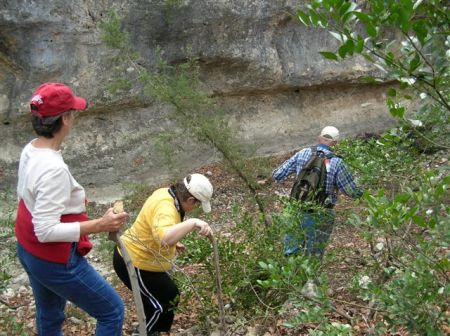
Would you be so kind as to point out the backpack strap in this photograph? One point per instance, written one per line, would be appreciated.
(328, 156)
(320, 153)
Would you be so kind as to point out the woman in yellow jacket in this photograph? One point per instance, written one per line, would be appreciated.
(152, 241)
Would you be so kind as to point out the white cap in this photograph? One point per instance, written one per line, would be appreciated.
(330, 132)
(200, 187)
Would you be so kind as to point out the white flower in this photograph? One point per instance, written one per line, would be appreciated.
(423, 95)
(341, 326)
(447, 53)
(364, 281)
(415, 122)
(309, 290)
(379, 246)
(409, 81)
(434, 180)
(418, 2)
(429, 212)
(441, 290)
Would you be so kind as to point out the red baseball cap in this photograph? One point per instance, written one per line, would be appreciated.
(53, 99)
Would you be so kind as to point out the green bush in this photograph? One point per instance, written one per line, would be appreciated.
(407, 277)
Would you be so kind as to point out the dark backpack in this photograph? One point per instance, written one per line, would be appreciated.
(310, 183)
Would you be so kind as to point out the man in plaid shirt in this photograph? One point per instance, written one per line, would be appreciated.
(316, 226)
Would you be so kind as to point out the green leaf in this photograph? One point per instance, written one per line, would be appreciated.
(347, 17)
(303, 17)
(350, 47)
(342, 51)
(404, 19)
(390, 57)
(327, 4)
(394, 18)
(414, 63)
(421, 31)
(323, 21)
(443, 264)
(395, 109)
(397, 112)
(371, 30)
(314, 18)
(392, 92)
(402, 198)
(363, 17)
(344, 8)
(359, 47)
(329, 55)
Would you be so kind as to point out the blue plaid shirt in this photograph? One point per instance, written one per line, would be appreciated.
(338, 176)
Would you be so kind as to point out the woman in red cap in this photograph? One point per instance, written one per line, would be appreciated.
(52, 225)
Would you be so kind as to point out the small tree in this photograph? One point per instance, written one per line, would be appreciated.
(180, 86)
(407, 40)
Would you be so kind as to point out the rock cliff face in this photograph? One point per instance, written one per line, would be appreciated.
(260, 63)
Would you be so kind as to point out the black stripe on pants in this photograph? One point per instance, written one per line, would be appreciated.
(158, 291)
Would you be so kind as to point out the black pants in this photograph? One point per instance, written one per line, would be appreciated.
(158, 291)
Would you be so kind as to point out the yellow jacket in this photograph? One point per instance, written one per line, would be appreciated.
(143, 238)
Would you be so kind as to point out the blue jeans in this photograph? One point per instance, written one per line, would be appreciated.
(314, 232)
(53, 284)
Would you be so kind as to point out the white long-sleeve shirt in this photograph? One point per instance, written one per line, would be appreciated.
(49, 190)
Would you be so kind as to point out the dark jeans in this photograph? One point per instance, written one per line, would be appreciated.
(158, 291)
(53, 284)
(312, 235)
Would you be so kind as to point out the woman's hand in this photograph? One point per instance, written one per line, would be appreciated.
(109, 222)
(175, 233)
(180, 248)
(112, 222)
(203, 228)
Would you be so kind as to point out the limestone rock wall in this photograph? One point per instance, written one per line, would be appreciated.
(263, 67)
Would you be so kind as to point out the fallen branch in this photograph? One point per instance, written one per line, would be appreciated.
(219, 286)
(115, 236)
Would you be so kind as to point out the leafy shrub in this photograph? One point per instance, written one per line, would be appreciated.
(407, 277)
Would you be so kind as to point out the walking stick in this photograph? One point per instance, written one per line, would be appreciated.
(219, 286)
(115, 237)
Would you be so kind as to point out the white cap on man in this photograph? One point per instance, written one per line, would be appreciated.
(330, 132)
(200, 187)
